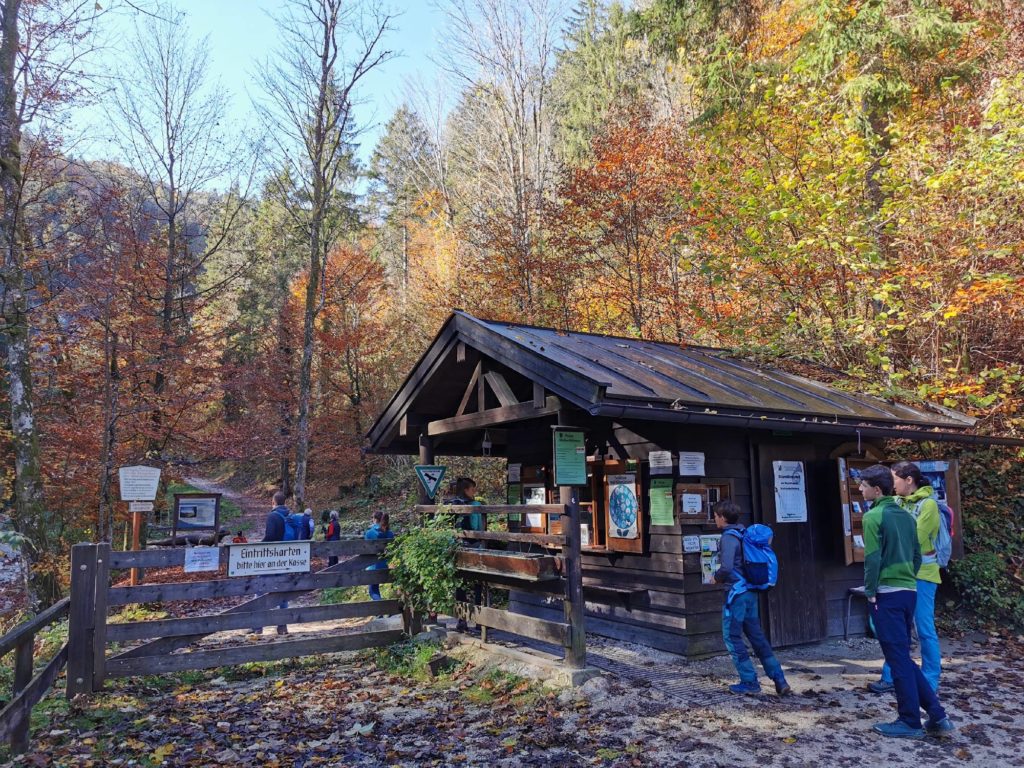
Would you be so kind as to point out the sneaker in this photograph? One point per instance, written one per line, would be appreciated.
(941, 728)
(898, 730)
(782, 688)
(746, 688)
(881, 686)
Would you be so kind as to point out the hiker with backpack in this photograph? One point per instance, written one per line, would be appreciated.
(282, 525)
(748, 567)
(379, 529)
(332, 532)
(892, 561)
(914, 493)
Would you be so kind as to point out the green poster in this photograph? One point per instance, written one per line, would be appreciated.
(570, 458)
(514, 495)
(661, 501)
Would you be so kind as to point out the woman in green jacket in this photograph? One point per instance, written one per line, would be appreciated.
(915, 494)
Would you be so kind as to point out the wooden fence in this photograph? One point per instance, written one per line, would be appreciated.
(503, 569)
(28, 690)
(92, 597)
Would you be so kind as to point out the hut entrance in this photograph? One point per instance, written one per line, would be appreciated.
(796, 611)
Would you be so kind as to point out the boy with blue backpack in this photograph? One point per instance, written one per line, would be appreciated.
(748, 567)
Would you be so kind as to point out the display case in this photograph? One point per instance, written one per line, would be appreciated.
(695, 502)
(945, 479)
(624, 513)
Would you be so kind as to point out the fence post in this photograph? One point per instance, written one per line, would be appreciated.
(576, 653)
(22, 677)
(81, 658)
(99, 623)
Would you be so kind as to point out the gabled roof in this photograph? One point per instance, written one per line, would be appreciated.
(623, 378)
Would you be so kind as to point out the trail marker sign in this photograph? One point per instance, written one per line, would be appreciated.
(430, 476)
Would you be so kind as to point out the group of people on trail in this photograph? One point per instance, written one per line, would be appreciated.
(902, 529)
(284, 525)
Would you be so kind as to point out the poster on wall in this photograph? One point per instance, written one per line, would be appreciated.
(691, 503)
(623, 506)
(515, 472)
(661, 462)
(691, 464)
(661, 501)
(691, 544)
(709, 557)
(935, 471)
(570, 457)
(534, 494)
(790, 492)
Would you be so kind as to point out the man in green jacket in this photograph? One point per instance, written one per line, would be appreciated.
(892, 557)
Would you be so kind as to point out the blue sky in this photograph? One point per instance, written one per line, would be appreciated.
(242, 35)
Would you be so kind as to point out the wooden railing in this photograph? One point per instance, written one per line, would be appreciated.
(29, 690)
(92, 595)
(567, 581)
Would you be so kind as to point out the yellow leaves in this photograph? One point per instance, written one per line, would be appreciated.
(162, 752)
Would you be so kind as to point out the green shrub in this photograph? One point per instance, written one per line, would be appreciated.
(422, 562)
(985, 583)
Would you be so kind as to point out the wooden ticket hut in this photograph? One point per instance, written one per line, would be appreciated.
(679, 428)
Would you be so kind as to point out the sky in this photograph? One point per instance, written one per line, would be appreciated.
(242, 35)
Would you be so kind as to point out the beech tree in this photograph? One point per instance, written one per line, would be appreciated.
(327, 48)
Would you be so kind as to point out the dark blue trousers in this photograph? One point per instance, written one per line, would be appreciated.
(893, 614)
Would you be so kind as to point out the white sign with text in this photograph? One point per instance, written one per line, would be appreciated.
(138, 483)
(268, 557)
(199, 559)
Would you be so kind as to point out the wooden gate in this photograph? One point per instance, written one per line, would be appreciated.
(92, 596)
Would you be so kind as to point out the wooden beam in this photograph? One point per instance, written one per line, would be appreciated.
(494, 509)
(501, 388)
(492, 417)
(539, 629)
(121, 633)
(17, 713)
(239, 654)
(33, 626)
(470, 389)
(543, 539)
(538, 394)
(163, 558)
(460, 352)
(251, 585)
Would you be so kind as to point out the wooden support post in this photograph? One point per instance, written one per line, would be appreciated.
(487, 604)
(576, 653)
(136, 573)
(412, 621)
(99, 643)
(22, 677)
(80, 621)
(426, 457)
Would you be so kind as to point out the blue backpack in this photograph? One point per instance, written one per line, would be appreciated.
(293, 526)
(758, 563)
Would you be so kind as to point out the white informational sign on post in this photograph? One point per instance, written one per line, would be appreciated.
(202, 559)
(790, 492)
(268, 558)
(139, 483)
(691, 464)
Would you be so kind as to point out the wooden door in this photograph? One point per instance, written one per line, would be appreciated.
(796, 608)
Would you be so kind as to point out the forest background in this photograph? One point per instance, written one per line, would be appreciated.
(828, 182)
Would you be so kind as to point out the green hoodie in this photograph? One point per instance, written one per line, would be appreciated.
(892, 553)
(921, 505)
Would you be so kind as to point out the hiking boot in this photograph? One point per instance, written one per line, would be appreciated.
(782, 688)
(942, 729)
(881, 686)
(898, 730)
(746, 688)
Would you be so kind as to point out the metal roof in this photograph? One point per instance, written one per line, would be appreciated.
(624, 378)
(636, 371)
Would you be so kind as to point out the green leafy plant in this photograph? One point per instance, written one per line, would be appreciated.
(422, 561)
(985, 584)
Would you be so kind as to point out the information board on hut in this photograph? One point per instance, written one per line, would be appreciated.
(268, 558)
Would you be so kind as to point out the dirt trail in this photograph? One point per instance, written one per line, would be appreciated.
(254, 509)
